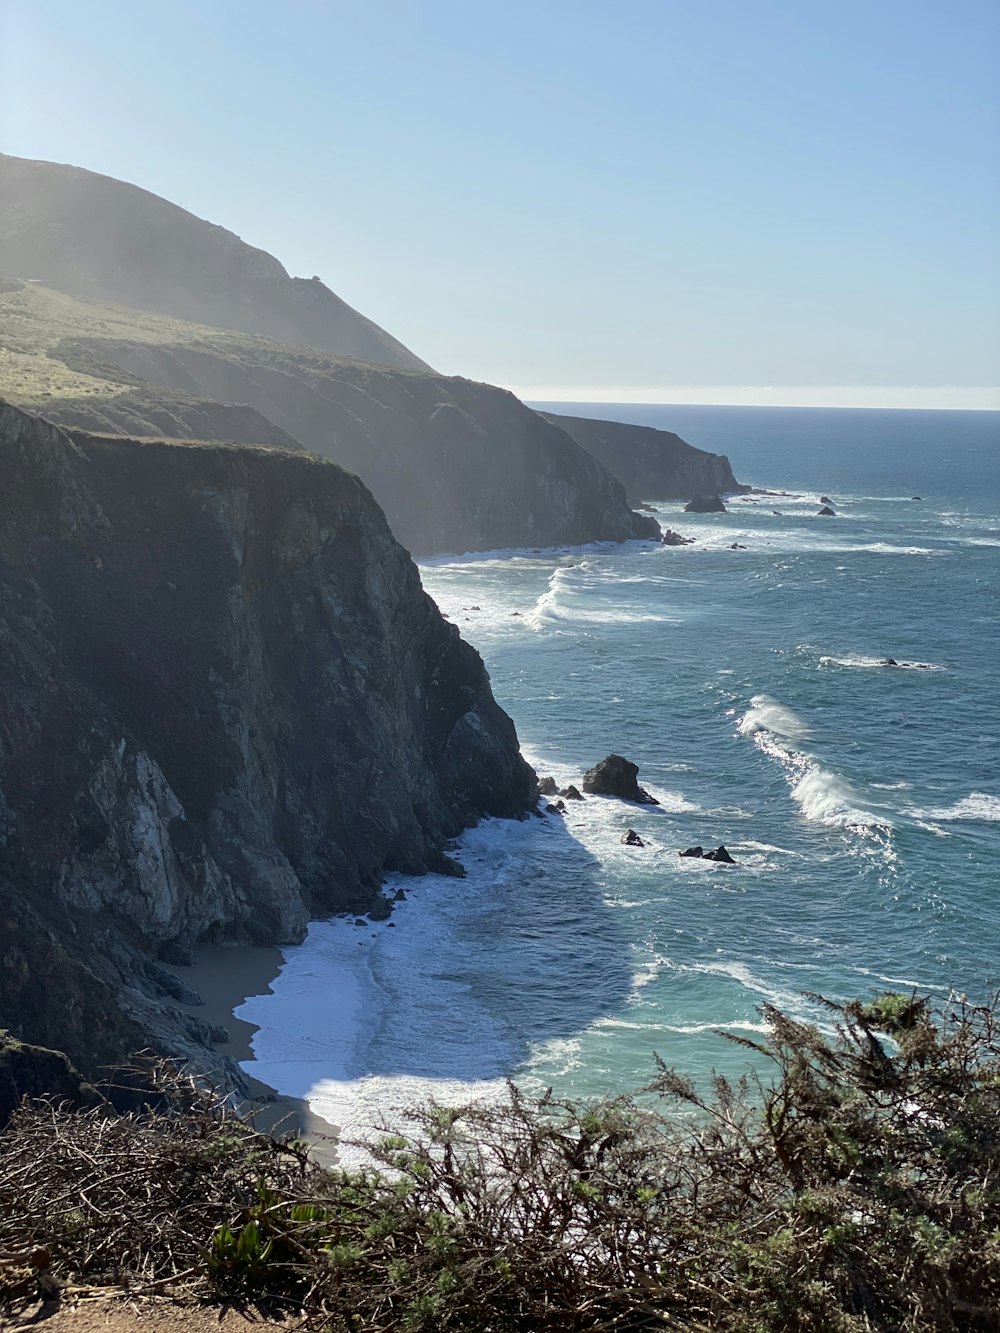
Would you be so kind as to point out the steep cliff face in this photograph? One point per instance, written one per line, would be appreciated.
(226, 705)
(106, 240)
(456, 465)
(651, 464)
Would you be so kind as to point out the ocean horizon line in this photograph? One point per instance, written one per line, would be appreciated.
(943, 399)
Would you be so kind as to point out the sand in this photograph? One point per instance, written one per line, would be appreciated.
(224, 977)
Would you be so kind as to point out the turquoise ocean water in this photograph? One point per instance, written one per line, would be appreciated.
(861, 802)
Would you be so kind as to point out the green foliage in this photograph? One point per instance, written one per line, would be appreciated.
(857, 1190)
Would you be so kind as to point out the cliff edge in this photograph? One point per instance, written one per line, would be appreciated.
(228, 706)
(651, 464)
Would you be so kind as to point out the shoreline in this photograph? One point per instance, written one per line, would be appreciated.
(224, 976)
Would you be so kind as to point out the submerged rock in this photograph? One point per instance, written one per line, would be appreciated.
(616, 776)
(692, 851)
(705, 504)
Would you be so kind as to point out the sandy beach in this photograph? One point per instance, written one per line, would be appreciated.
(224, 977)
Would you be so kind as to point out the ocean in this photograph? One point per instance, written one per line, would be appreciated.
(861, 802)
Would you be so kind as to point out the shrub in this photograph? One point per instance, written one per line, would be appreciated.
(857, 1190)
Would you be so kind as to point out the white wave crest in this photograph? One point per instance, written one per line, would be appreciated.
(822, 797)
(866, 662)
(766, 714)
(978, 806)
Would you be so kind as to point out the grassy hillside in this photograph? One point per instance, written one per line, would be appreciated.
(455, 465)
(106, 240)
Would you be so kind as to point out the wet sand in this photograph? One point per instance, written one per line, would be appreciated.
(224, 978)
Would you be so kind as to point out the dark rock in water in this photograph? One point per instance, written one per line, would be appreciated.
(615, 776)
(571, 793)
(720, 854)
(825, 500)
(777, 513)
(360, 921)
(671, 538)
(561, 807)
(399, 896)
(515, 613)
(915, 497)
(381, 910)
(692, 851)
(551, 809)
(547, 786)
(736, 546)
(888, 661)
(826, 512)
(631, 839)
(705, 504)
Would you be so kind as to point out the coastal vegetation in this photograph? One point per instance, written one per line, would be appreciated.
(857, 1188)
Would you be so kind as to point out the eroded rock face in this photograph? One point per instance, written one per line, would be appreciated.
(651, 464)
(616, 776)
(227, 706)
(457, 466)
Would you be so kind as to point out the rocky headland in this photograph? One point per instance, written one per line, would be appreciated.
(456, 465)
(228, 706)
(651, 464)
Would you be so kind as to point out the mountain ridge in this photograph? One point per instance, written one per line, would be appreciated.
(100, 238)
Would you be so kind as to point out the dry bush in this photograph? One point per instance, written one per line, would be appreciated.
(858, 1190)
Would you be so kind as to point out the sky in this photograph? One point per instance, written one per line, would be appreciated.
(651, 200)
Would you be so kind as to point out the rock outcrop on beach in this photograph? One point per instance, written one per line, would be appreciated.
(651, 464)
(106, 240)
(228, 706)
(616, 776)
(456, 465)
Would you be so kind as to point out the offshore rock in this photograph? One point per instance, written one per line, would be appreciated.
(705, 504)
(692, 851)
(547, 787)
(671, 538)
(720, 854)
(631, 839)
(826, 512)
(227, 707)
(571, 793)
(616, 776)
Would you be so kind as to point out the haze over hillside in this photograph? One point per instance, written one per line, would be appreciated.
(107, 240)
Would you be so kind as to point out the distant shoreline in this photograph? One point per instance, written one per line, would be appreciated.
(224, 976)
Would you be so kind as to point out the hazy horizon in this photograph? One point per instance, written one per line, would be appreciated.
(716, 203)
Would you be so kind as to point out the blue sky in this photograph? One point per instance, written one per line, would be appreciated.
(697, 200)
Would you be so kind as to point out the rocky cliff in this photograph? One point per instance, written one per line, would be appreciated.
(651, 464)
(456, 465)
(226, 705)
(106, 240)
